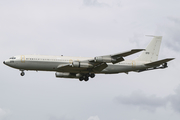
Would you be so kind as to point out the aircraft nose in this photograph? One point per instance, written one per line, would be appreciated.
(4, 62)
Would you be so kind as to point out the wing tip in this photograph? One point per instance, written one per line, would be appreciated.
(171, 58)
(154, 36)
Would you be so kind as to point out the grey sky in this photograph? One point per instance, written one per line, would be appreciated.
(94, 3)
(89, 28)
(152, 102)
(144, 102)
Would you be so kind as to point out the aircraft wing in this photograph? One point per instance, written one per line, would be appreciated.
(99, 67)
(115, 58)
(127, 53)
(99, 63)
(159, 62)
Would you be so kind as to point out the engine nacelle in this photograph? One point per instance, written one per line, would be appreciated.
(67, 75)
(61, 74)
(81, 65)
(107, 59)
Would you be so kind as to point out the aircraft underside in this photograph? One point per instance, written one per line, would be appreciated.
(86, 73)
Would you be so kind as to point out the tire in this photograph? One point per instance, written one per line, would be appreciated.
(81, 79)
(92, 75)
(86, 79)
(22, 73)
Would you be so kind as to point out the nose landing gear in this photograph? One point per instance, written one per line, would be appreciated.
(22, 73)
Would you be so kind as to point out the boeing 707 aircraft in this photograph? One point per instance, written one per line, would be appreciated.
(82, 68)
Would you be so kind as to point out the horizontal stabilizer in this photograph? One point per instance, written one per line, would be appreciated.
(159, 62)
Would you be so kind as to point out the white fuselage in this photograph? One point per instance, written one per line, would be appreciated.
(84, 68)
(50, 63)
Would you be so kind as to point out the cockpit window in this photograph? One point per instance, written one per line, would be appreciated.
(12, 58)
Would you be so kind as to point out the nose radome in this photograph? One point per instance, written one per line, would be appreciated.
(4, 62)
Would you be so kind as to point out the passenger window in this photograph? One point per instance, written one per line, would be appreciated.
(12, 58)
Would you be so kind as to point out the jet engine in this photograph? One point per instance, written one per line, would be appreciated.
(67, 75)
(108, 59)
(81, 65)
(104, 59)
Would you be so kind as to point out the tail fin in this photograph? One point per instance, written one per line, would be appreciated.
(152, 50)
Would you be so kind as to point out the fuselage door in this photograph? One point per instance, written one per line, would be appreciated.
(22, 58)
(133, 64)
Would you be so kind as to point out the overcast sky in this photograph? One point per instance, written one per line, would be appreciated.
(89, 28)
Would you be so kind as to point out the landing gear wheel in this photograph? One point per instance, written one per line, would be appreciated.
(86, 78)
(22, 73)
(81, 79)
(92, 75)
(165, 65)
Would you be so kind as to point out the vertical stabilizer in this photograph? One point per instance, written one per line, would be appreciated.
(152, 50)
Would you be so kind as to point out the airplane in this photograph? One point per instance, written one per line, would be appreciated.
(83, 68)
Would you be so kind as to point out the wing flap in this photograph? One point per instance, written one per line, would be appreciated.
(159, 62)
(100, 67)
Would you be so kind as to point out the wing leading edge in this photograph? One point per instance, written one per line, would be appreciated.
(127, 53)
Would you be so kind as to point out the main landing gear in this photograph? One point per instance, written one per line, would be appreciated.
(22, 73)
(86, 76)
